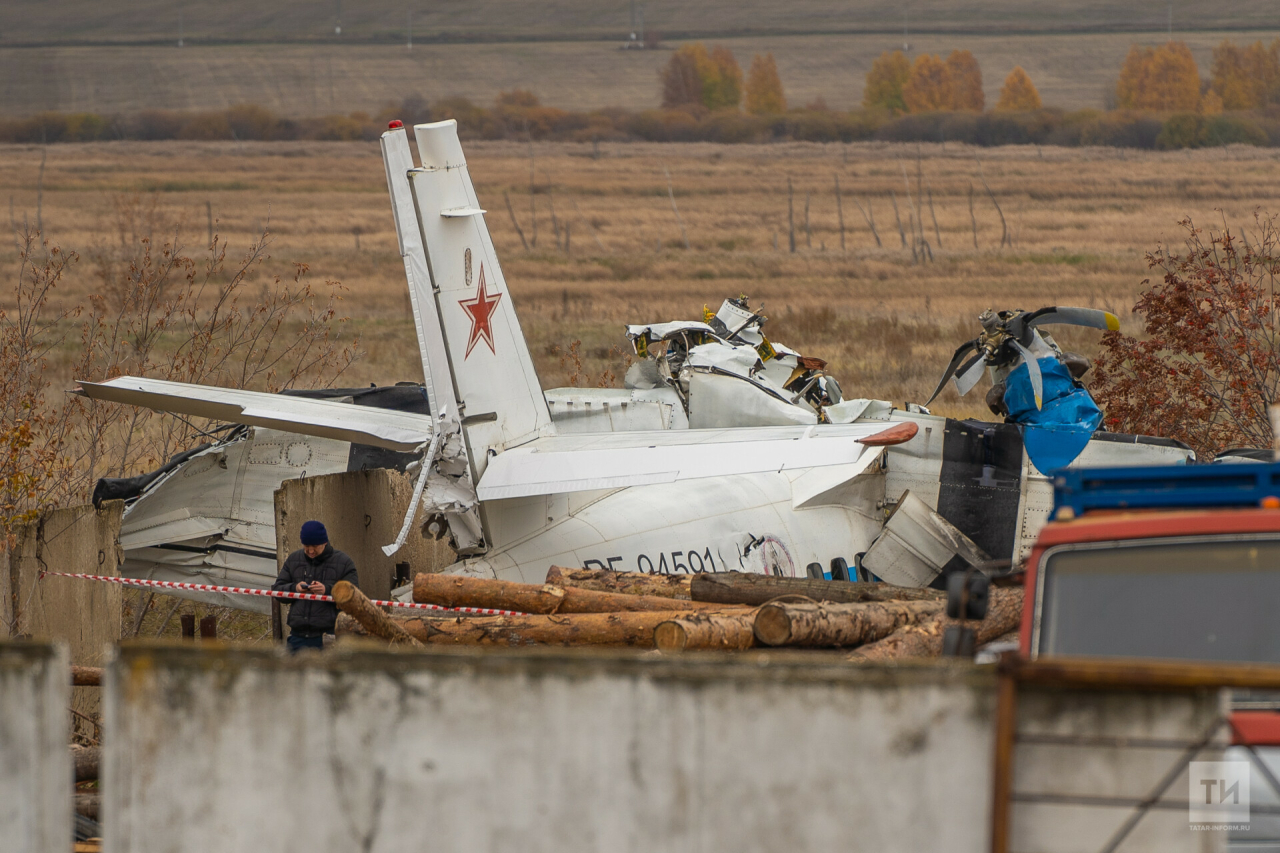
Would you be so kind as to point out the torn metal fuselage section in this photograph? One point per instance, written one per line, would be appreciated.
(726, 373)
(208, 515)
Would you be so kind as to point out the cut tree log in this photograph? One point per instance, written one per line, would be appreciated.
(721, 631)
(924, 640)
(89, 805)
(825, 625)
(571, 629)
(353, 602)
(87, 760)
(462, 591)
(628, 583)
(86, 676)
(754, 589)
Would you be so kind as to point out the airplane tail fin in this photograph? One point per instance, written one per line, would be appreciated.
(471, 341)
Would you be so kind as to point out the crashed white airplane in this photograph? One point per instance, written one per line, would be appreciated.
(724, 452)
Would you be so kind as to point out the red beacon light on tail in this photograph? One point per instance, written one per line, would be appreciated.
(395, 124)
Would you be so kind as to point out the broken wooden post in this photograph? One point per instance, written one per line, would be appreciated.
(188, 621)
(840, 214)
(460, 591)
(1004, 226)
(753, 589)
(902, 234)
(630, 583)
(869, 214)
(354, 603)
(813, 624)
(671, 194)
(551, 205)
(209, 627)
(972, 218)
(713, 631)
(791, 215)
(937, 232)
(519, 231)
(808, 232)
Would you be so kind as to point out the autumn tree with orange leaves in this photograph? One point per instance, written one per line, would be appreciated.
(696, 76)
(1246, 78)
(1018, 94)
(966, 82)
(885, 81)
(929, 88)
(1161, 78)
(935, 85)
(764, 87)
(1207, 367)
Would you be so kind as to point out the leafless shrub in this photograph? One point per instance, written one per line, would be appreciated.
(159, 313)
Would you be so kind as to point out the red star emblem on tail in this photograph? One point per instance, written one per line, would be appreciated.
(480, 309)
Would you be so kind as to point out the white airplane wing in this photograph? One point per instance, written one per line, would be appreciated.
(401, 431)
(574, 463)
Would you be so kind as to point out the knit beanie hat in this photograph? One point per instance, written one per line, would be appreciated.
(313, 533)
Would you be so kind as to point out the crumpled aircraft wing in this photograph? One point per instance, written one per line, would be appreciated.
(583, 462)
(403, 431)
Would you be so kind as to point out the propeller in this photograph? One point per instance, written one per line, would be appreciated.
(1093, 318)
(968, 375)
(1007, 336)
(1033, 372)
(956, 360)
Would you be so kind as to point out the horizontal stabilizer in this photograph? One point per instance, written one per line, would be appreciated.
(573, 463)
(401, 431)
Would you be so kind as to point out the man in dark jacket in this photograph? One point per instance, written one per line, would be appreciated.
(314, 569)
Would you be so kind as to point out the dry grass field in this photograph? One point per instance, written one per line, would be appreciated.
(1072, 71)
(1080, 220)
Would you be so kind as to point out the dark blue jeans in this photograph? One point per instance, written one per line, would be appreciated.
(297, 644)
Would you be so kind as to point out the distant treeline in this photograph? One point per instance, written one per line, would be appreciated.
(519, 116)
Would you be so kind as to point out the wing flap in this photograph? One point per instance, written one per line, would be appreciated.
(393, 430)
(555, 466)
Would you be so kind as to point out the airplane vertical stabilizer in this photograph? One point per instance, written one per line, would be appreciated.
(398, 160)
(499, 397)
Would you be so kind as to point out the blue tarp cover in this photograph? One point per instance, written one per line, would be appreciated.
(1056, 433)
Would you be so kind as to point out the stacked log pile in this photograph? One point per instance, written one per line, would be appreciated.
(724, 611)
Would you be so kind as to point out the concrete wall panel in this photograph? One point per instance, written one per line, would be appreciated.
(86, 615)
(512, 751)
(35, 765)
(362, 510)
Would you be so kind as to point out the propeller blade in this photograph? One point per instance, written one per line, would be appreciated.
(1092, 318)
(968, 376)
(965, 349)
(1033, 371)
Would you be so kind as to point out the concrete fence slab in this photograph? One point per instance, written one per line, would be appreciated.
(35, 764)
(86, 615)
(559, 752)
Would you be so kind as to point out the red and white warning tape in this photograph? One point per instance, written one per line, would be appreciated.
(271, 593)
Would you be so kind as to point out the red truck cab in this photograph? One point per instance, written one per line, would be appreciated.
(1197, 584)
